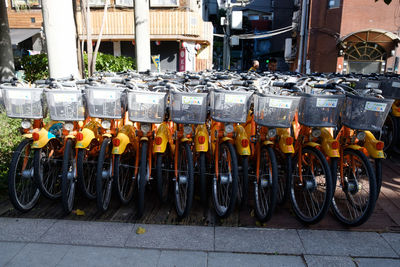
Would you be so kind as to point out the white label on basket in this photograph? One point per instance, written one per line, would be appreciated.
(396, 84)
(20, 95)
(235, 99)
(280, 103)
(326, 103)
(192, 100)
(147, 99)
(372, 85)
(61, 98)
(108, 95)
(375, 106)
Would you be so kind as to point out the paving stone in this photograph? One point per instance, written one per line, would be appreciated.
(13, 229)
(88, 233)
(34, 254)
(329, 261)
(173, 237)
(257, 240)
(394, 241)
(373, 262)
(102, 256)
(220, 259)
(345, 243)
(182, 258)
(8, 250)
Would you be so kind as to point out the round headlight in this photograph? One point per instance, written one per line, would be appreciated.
(229, 128)
(361, 136)
(271, 133)
(187, 129)
(106, 124)
(145, 128)
(69, 126)
(316, 133)
(26, 124)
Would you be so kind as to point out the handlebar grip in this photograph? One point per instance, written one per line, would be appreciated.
(241, 83)
(117, 80)
(321, 85)
(279, 84)
(41, 82)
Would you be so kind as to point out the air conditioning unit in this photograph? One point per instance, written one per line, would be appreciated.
(94, 3)
(164, 3)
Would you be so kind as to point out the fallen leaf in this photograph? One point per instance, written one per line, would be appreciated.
(79, 212)
(140, 230)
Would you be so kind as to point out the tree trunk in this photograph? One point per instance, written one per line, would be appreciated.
(6, 53)
(96, 50)
(59, 27)
(142, 35)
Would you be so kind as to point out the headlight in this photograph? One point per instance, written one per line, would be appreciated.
(145, 128)
(361, 136)
(229, 128)
(106, 124)
(316, 133)
(187, 129)
(271, 133)
(69, 126)
(26, 124)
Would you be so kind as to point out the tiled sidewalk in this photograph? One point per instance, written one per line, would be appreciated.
(38, 242)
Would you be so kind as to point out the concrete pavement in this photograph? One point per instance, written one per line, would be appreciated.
(42, 242)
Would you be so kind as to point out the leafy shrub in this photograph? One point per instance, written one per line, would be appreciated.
(110, 63)
(36, 67)
(10, 137)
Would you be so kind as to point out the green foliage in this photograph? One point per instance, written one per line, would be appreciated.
(110, 63)
(36, 67)
(10, 137)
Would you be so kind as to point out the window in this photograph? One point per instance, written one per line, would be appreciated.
(94, 3)
(33, 20)
(164, 3)
(254, 17)
(127, 3)
(333, 3)
(25, 4)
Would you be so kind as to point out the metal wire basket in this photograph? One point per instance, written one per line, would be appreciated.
(65, 105)
(230, 106)
(105, 102)
(23, 103)
(188, 108)
(144, 106)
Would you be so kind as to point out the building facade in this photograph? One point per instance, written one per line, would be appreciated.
(359, 36)
(178, 32)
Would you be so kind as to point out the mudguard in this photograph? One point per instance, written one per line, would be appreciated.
(326, 144)
(162, 132)
(370, 145)
(201, 130)
(284, 134)
(240, 135)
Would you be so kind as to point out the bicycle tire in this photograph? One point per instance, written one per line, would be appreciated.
(270, 202)
(52, 172)
(203, 179)
(125, 185)
(283, 180)
(142, 180)
(327, 181)
(243, 188)
(225, 211)
(15, 199)
(86, 183)
(68, 183)
(371, 198)
(183, 206)
(163, 169)
(104, 184)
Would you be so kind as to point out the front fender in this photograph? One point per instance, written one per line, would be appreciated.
(201, 130)
(226, 138)
(355, 147)
(268, 143)
(163, 133)
(326, 144)
(283, 146)
(370, 145)
(44, 137)
(312, 144)
(27, 136)
(88, 136)
(124, 141)
(396, 108)
(240, 135)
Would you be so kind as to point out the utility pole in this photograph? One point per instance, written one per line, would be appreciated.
(300, 59)
(59, 28)
(6, 53)
(142, 35)
(227, 35)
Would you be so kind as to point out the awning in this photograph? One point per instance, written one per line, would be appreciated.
(19, 35)
(370, 35)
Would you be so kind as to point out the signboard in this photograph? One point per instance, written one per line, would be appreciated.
(156, 61)
(237, 20)
(164, 3)
(182, 59)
